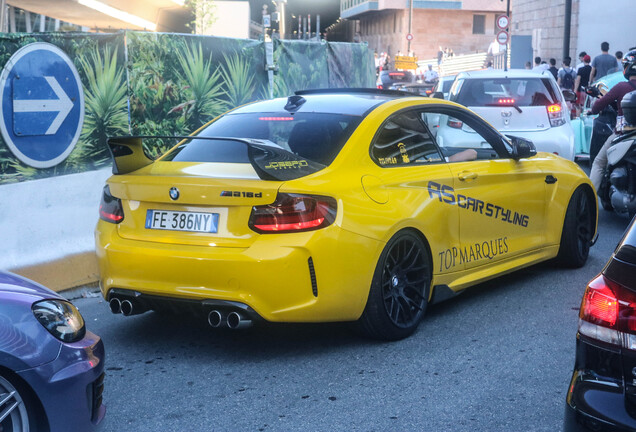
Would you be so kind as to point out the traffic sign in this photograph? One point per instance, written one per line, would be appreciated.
(502, 37)
(267, 20)
(405, 62)
(41, 105)
(503, 21)
(409, 37)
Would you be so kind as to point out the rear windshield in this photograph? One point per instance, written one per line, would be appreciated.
(495, 91)
(318, 137)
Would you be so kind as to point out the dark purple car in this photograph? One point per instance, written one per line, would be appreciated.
(51, 367)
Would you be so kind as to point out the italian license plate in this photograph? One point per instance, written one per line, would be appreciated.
(182, 221)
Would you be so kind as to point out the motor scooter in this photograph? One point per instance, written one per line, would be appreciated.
(618, 186)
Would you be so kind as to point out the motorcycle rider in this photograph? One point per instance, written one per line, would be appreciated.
(615, 95)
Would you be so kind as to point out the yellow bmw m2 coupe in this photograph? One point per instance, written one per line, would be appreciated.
(333, 205)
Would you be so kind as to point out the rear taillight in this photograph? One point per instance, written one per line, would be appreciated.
(556, 115)
(110, 209)
(293, 213)
(454, 123)
(608, 313)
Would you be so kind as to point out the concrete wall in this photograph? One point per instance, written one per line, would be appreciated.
(544, 20)
(606, 24)
(46, 227)
(432, 28)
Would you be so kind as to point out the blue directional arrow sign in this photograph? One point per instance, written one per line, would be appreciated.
(42, 105)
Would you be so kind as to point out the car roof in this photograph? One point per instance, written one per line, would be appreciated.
(336, 101)
(497, 73)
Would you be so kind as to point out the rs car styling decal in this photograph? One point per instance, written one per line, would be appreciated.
(286, 165)
(446, 194)
(459, 255)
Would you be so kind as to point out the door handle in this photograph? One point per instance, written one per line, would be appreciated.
(467, 175)
(550, 179)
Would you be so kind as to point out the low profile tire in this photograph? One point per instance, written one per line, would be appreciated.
(14, 414)
(399, 290)
(577, 231)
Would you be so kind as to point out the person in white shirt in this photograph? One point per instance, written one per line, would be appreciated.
(538, 66)
(430, 75)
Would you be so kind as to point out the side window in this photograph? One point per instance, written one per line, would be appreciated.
(404, 140)
(461, 136)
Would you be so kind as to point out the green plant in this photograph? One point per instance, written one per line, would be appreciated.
(240, 83)
(205, 88)
(105, 103)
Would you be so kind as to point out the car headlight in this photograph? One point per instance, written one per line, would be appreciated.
(61, 319)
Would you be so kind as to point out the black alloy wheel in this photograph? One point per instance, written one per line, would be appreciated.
(400, 288)
(577, 231)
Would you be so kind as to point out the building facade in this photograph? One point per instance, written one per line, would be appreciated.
(466, 26)
(591, 23)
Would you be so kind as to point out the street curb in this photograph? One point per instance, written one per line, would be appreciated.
(66, 273)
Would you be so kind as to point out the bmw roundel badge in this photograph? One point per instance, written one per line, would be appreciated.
(174, 193)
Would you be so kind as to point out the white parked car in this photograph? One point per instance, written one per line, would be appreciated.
(517, 102)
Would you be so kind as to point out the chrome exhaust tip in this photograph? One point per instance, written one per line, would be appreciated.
(236, 321)
(215, 319)
(115, 305)
(127, 308)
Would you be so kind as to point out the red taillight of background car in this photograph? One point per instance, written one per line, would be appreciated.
(293, 213)
(608, 313)
(599, 305)
(556, 115)
(506, 101)
(454, 123)
(110, 209)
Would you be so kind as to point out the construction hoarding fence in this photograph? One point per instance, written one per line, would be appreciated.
(142, 83)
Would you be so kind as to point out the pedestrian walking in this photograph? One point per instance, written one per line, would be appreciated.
(583, 79)
(553, 69)
(602, 63)
(538, 66)
(581, 63)
(566, 75)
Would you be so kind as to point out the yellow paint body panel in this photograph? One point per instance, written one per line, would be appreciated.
(269, 272)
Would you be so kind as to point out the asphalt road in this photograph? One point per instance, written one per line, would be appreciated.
(496, 358)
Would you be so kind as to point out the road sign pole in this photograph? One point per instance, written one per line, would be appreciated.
(508, 30)
(408, 48)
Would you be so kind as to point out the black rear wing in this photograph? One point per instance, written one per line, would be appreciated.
(270, 162)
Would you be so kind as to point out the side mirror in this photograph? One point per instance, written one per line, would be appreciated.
(437, 95)
(521, 148)
(569, 95)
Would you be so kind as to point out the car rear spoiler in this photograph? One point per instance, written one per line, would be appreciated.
(128, 154)
(270, 161)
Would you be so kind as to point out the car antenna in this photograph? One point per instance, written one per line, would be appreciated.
(294, 102)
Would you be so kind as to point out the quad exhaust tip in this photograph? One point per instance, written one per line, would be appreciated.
(236, 321)
(215, 319)
(115, 305)
(127, 308)
(233, 320)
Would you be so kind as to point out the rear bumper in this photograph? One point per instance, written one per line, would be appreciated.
(595, 406)
(273, 276)
(70, 387)
(596, 399)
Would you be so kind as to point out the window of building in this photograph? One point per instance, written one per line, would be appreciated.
(479, 24)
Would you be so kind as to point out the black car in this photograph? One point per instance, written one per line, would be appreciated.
(602, 392)
(390, 79)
